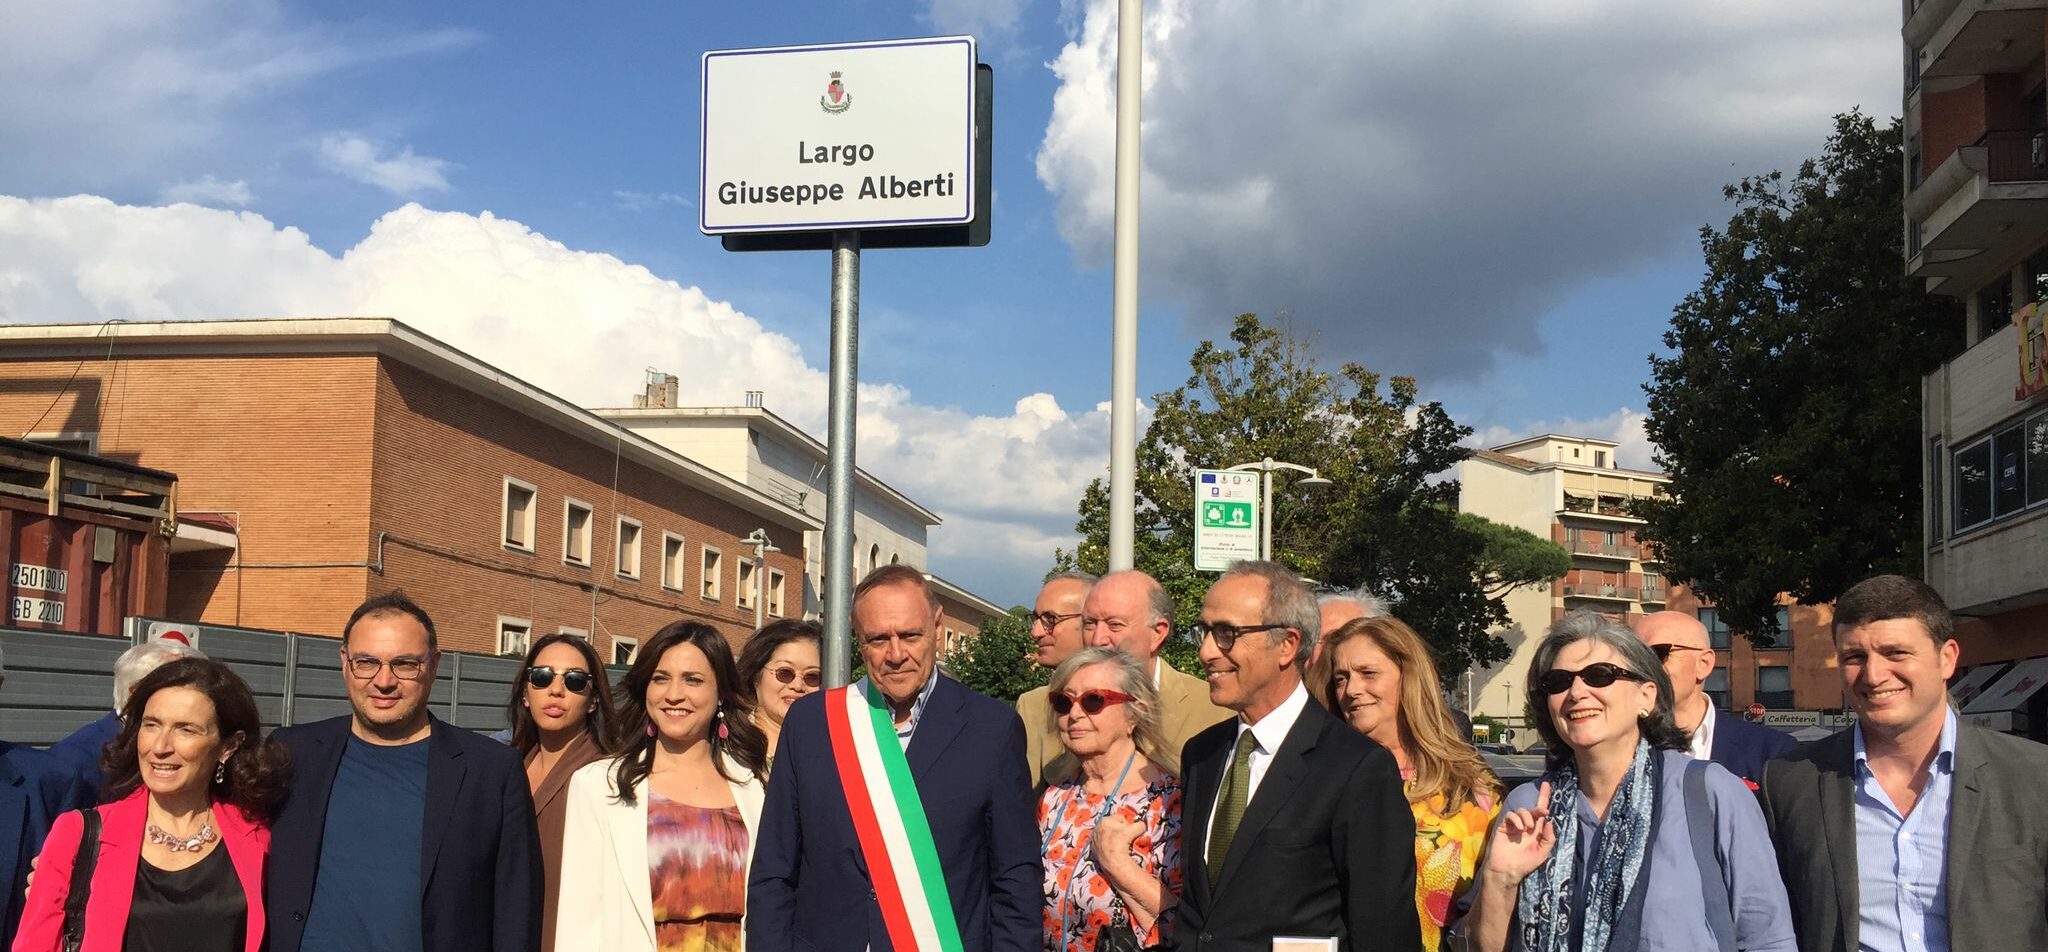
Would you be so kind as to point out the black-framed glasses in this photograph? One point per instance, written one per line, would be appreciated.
(1092, 702)
(365, 667)
(1225, 633)
(787, 674)
(1051, 620)
(541, 677)
(1664, 651)
(1558, 680)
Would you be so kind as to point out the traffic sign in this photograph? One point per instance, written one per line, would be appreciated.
(1756, 711)
(1226, 518)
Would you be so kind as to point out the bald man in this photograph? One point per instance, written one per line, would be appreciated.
(1681, 641)
(1132, 611)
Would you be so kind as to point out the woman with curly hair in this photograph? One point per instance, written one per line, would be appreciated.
(183, 833)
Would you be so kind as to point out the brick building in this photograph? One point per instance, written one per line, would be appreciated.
(350, 457)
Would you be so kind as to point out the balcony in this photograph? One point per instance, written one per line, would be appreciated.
(1976, 37)
(1603, 507)
(1655, 594)
(1989, 196)
(1616, 593)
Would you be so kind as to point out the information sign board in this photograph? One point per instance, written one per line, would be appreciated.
(1226, 518)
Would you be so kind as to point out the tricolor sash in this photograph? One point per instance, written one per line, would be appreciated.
(895, 835)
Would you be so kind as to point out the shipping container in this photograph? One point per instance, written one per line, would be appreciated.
(85, 540)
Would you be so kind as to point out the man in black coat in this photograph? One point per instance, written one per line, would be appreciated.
(401, 833)
(1293, 824)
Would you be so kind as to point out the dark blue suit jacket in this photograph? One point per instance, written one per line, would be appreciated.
(34, 789)
(1743, 747)
(81, 752)
(810, 889)
(480, 855)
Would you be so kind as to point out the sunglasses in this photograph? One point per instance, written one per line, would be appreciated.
(1558, 680)
(786, 675)
(1225, 633)
(1051, 620)
(540, 678)
(1664, 651)
(1092, 702)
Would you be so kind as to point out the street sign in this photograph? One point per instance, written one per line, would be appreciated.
(838, 137)
(1756, 711)
(1226, 518)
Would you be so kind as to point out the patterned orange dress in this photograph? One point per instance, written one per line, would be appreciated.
(1075, 887)
(697, 866)
(1447, 852)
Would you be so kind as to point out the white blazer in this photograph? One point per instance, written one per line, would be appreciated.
(607, 897)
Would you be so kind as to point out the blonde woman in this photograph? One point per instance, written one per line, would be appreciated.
(1376, 673)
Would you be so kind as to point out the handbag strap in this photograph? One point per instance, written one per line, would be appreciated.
(81, 878)
(1699, 820)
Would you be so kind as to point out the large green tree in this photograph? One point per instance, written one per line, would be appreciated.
(998, 661)
(1788, 410)
(1386, 523)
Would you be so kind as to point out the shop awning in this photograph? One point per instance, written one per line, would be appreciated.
(1971, 681)
(2003, 705)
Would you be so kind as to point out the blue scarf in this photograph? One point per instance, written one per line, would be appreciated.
(1544, 906)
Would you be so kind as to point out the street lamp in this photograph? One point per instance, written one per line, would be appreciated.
(1265, 468)
(759, 540)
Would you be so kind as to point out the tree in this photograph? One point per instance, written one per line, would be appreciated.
(1788, 413)
(1383, 523)
(1513, 557)
(998, 661)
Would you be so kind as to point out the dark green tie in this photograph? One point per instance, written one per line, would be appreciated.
(1237, 784)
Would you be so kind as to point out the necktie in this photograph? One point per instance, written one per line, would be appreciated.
(1237, 785)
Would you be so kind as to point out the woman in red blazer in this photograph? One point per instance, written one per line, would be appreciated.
(183, 832)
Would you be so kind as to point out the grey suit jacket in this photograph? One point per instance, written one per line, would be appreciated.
(1997, 864)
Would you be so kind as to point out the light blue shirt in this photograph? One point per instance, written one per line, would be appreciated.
(905, 730)
(1901, 861)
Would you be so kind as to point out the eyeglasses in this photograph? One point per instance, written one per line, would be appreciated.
(1092, 702)
(1051, 619)
(1558, 680)
(365, 667)
(787, 675)
(541, 678)
(1225, 633)
(1664, 651)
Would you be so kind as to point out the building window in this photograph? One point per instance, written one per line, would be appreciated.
(514, 636)
(1717, 687)
(583, 633)
(2037, 276)
(874, 557)
(1717, 633)
(629, 548)
(744, 595)
(1774, 688)
(625, 650)
(575, 532)
(1935, 502)
(775, 603)
(2037, 460)
(714, 563)
(2008, 472)
(519, 506)
(2001, 475)
(1783, 638)
(671, 561)
(1973, 486)
(1994, 307)
(1600, 459)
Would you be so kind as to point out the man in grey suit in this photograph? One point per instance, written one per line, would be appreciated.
(1909, 830)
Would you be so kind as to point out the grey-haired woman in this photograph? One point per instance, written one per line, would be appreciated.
(1626, 842)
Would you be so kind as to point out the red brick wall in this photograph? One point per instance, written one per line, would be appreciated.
(1955, 118)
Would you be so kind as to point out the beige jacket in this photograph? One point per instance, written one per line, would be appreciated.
(1184, 697)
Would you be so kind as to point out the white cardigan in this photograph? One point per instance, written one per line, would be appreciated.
(607, 899)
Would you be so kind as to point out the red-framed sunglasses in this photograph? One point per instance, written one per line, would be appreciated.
(1092, 702)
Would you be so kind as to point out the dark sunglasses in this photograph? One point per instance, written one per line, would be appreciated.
(1664, 651)
(1558, 680)
(540, 678)
(786, 675)
(1092, 702)
(1225, 633)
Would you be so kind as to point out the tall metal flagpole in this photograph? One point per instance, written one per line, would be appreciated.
(1123, 386)
(838, 661)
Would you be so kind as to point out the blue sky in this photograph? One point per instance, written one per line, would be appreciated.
(1504, 202)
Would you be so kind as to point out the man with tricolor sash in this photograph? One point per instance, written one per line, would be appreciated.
(899, 815)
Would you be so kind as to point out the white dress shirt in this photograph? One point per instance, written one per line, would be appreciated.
(1267, 736)
(1703, 735)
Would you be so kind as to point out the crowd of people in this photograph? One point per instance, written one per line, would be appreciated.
(1314, 786)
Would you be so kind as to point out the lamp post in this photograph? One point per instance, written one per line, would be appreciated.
(1266, 468)
(759, 540)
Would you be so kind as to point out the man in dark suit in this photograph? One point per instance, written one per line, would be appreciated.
(1680, 641)
(1909, 830)
(814, 885)
(34, 788)
(401, 832)
(1293, 824)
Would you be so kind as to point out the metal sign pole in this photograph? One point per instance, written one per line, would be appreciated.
(1123, 373)
(838, 660)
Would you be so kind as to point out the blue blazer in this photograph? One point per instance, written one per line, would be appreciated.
(35, 788)
(1743, 747)
(81, 752)
(810, 889)
(479, 855)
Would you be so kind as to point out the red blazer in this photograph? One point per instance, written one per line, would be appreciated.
(113, 880)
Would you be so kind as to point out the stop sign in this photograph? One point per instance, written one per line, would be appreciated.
(1756, 711)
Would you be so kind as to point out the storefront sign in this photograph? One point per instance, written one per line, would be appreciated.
(2033, 347)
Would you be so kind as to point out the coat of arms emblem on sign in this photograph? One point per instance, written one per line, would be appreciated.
(836, 99)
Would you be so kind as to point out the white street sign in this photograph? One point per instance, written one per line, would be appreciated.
(1226, 518)
(835, 137)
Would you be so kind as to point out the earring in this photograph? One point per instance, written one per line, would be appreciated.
(650, 728)
(1644, 716)
(220, 772)
(718, 714)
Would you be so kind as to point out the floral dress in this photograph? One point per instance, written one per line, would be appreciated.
(1074, 888)
(697, 859)
(1447, 851)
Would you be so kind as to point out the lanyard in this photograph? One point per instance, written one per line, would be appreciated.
(1045, 847)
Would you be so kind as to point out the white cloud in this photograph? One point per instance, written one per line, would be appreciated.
(579, 323)
(401, 174)
(645, 201)
(1377, 168)
(207, 190)
(1624, 426)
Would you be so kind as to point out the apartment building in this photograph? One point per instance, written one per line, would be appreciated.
(1572, 491)
(344, 458)
(1976, 229)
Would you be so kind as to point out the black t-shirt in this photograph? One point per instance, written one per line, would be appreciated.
(200, 908)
